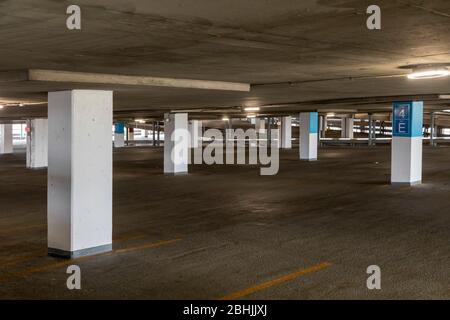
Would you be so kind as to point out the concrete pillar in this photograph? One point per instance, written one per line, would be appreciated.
(371, 131)
(260, 127)
(286, 132)
(6, 138)
(406, 162)
(158, 137)
(37, 143)
(176, 143)
(432, 128)
(347, 127)
(79, 172)
(195, 131)
(119, 134)
(308, 135)
(154, 133)
(323, 126)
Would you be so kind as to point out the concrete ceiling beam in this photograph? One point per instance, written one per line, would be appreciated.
(60, 76)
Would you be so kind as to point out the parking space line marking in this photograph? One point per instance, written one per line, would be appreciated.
(276, 281)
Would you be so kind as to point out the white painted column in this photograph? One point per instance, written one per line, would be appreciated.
(176, 143)
(260, 127)
(79, 172)
(286, 132)
(6, 138)
(37, 143)
(119, 134)
(195, 131)
(406, 162)
(347, 127)
(308, 135)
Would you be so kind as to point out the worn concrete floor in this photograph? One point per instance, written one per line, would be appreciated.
(223, 229)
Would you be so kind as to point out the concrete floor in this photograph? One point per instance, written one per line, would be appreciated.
(222, 229)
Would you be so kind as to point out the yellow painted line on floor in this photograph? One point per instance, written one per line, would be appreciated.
(69, 262)
(276, 281)
(145, 246)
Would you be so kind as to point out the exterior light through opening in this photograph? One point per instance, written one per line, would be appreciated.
(429, 73)
(251, 109)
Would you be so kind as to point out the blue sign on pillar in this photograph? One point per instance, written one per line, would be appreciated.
(407, 119)
(119, 128)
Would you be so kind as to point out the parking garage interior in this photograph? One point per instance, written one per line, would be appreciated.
(90, 171)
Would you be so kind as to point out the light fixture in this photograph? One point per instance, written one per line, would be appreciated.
(251, 116)
(139, 120)
(429, 73)
(447, 110)
(1, 106)
(225, 118)
(251, 109)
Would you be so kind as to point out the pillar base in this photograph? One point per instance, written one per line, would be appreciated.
(176, 173)
(409, 184)
(79, 253)
(315, 159)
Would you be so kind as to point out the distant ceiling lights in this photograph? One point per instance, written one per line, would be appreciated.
(251, 116)
(1, 106)
(429, 73)
(139, 121)
(251, 109)
(225, 118)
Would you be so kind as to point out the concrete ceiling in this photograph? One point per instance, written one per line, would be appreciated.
(298, 55)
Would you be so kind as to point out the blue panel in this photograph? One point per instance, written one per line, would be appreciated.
(407, 119)
(119, 127)
(313, 122)
(417, 119)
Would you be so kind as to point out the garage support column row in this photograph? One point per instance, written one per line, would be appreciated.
(407, 139)
(37, 143)
(6, 138)
(347, 127)
(195, 132)
(176, 143)
(286, 132)
(308, 135)
(79, 172)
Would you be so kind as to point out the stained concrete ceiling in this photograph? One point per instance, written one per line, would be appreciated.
(298, 55)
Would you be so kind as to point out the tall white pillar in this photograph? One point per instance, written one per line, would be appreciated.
(195, 131)
(176, 143)
(286, 132)
(308, 135)
(119, 134)
(6, 138)
(37, 143)
(406, 162)
(79, 172)
(347, 127)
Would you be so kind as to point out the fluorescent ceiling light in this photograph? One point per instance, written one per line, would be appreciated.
(251, 116)
(251, 109)
(1, 106)
(428, 73)
(448, 110)
(225, 119)
(139, 120)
